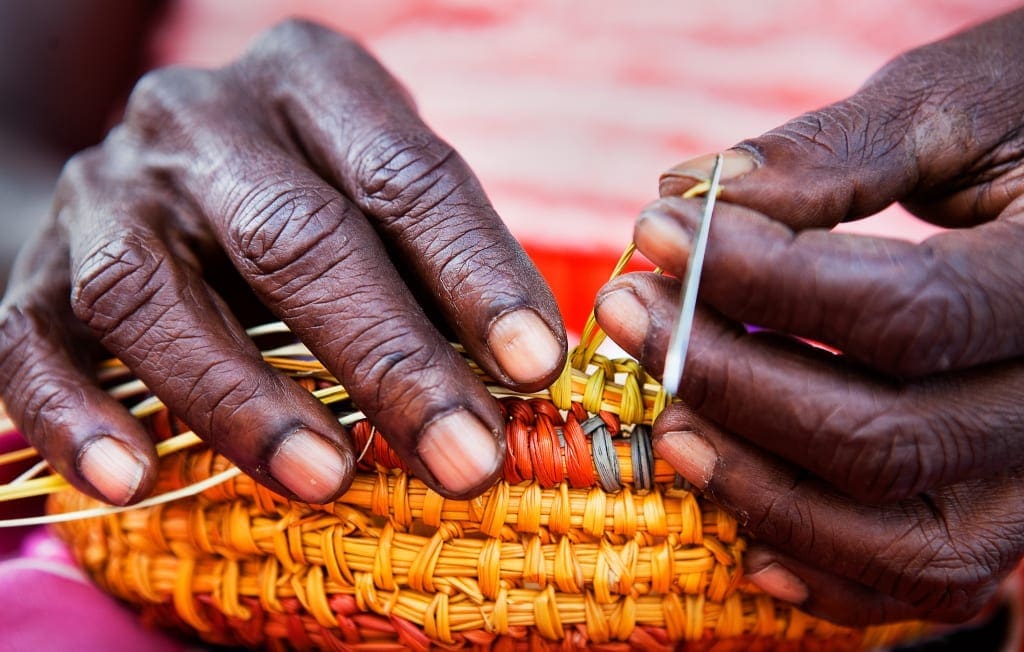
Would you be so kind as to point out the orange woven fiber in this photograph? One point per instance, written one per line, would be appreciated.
(588, 542)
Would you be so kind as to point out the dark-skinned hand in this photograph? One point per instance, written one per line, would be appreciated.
(884, 482)
(302, 174)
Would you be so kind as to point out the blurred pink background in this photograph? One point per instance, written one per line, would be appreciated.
(569, 111)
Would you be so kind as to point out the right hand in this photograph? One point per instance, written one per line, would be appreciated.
(885, 482)
(301, 171)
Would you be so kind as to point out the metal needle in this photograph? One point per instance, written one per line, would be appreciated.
(675, 358)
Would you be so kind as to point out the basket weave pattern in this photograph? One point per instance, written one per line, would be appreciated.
(588, 542)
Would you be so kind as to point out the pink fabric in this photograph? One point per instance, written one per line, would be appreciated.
(11, 538)
(47, 605)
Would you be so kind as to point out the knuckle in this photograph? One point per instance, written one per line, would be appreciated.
(163, 98)
(26, 344)
(79, 166)
(961, 608)
(955, 594)
(829, 136)
(101, 178)
(18, 324)
(214, 396)
(290, 234)
(907, 82)
(857, 131)
(826, 132)
(405, 374)
(46, 408)
(299, 30)
(104, 175)
(294, 36)
(473, 262)
(13, 332)
(403, 173)
(783, 518)
(944, 573)
(114, 279)
(885, 459)
(851, 138)
(964, 307)
(897, 324)
(80, 171)
(390, 369)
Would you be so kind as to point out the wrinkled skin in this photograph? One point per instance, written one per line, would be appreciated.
(883, 483)
(880, 484)
(301, 176)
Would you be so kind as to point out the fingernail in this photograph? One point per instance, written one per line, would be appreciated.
(310, 467)
(524, 346)
(679, 179)
(661, 237)
(690, 455)
(623, 317)
(114, 470)
(459, 450)
(779, 583)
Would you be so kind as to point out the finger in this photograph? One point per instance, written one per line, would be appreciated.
(821, 593)
(872, 438)
(937, 128)
(850, 603)
(155, 313)
(354, 123)
(85, 435)
(943, 554)
(316, 261)
(902, 308)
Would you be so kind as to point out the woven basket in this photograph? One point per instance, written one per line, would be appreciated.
(588, 542)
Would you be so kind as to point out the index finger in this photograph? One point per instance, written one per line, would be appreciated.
(903, 308)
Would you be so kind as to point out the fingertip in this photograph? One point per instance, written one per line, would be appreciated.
(463, 455)
(662, 238)
(526, 348)
(311, 467)
(623, 316)
(691, 455)
(766, 570)
(113, 469)
(680, 178)
(820, 592)
(780, 583)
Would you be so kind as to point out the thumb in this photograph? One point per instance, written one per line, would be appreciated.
(814, 171)
(938, 129)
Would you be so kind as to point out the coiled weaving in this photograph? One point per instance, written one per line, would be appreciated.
(588, 542)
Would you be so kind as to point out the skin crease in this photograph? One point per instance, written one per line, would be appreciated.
(885, 482)
(258, 191)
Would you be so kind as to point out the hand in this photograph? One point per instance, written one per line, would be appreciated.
(885, 482)
(303, 172)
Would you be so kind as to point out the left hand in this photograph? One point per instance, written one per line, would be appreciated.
(884, 483)
(297, 181)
